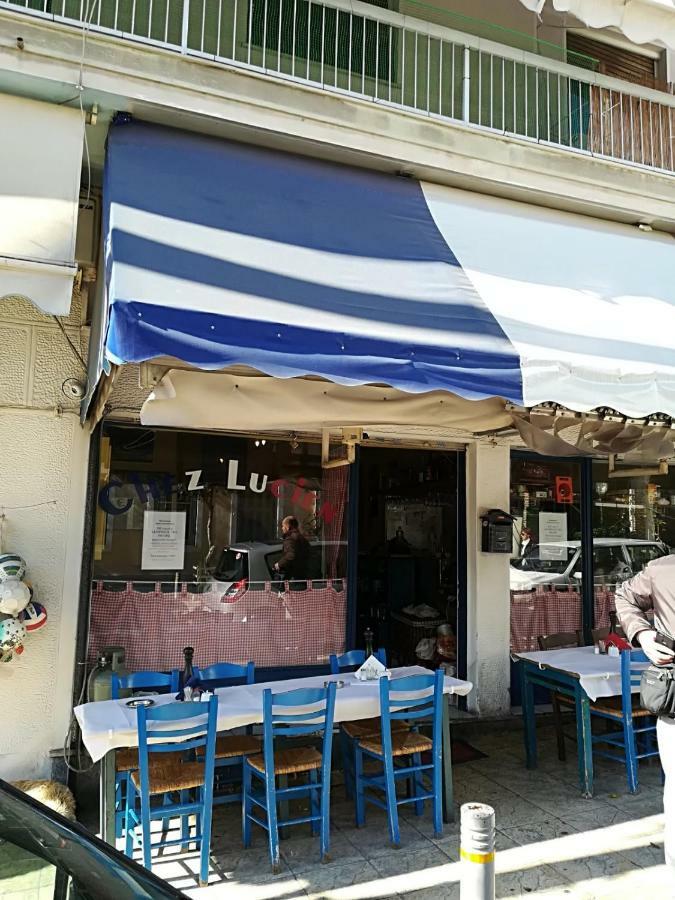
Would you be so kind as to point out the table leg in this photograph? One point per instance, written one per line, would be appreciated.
(584, 742)
(529, 723)
(107, 798)
(448, 798)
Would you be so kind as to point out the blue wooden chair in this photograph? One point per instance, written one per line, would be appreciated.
(351, 732)
(126, 761)
(291, 714)
(352, 659)
(163, 732)
(230, 748)
(411, 698)
(633, 742)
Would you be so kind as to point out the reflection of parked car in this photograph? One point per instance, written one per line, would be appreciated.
(614, 560)
(247, 564)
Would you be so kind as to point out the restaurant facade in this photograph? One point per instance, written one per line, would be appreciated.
(403, 368)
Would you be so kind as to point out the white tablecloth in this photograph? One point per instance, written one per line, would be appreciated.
(111, 724)
(599, 674)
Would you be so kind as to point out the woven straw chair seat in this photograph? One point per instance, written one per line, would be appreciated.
(171, 775)
(401, 744)
(367, 728)
(301, 759)
(229, 746)
(612, 706)
(127, 760)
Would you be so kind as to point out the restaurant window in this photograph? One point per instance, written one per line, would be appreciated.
(633, 524)
(546, 565)
(187, 544)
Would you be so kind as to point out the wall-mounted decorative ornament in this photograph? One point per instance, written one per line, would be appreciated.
(12, 637)
(15, 596)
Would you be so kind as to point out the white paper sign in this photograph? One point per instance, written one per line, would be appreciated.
(163, 540)
(552, 530)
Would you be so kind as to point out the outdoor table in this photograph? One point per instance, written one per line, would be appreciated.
(579, 673)
(110, 725)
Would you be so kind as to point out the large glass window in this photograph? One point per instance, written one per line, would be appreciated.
(189, 550)
(545, 570)
(633, 523)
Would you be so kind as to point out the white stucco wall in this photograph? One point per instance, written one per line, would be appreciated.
(488, 599)
(43, 461)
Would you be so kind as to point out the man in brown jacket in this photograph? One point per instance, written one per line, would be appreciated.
(294, 561)
(654, 589)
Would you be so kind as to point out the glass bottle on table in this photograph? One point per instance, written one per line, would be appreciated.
(368, 640)
(188, 673)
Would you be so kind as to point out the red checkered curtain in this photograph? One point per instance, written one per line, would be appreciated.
(534, 613)
(272, 628)
(334, 502)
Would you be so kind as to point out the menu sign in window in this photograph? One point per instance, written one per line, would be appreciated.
(163, 540)
(552, 535)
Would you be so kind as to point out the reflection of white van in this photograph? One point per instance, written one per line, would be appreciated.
(614, 560)
(251, 564)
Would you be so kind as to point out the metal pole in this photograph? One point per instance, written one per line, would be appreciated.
(477, 852)
(185, 30)
(466, 85)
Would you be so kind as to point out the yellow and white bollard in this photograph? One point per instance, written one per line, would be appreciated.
(477, 852)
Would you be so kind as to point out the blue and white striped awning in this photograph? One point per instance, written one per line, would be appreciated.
(222, 254)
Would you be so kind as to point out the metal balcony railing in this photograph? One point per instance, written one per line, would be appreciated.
(384, 57)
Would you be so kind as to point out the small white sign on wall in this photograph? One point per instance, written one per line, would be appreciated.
(552, 531)
(163, 540)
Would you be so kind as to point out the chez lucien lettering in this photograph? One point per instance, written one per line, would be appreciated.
(162, 488)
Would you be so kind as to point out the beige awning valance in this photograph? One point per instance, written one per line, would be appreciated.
(221, 401)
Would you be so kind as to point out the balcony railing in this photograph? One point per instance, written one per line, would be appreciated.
(381, 56)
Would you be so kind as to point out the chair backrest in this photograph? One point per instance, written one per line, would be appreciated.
(294, 713)
(352, 659)
(632, 666)
(157, 682)
(225, 675)
(559, 641)
(413, 697)
(178, 727)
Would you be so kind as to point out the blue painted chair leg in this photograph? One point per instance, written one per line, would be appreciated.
(325, 815)
(631, 757)
(392, 808)
(205, 820)
(438, 796)
(146, 831)
(418, 785)
(184, 820)
(360, 804)
(347, 753)
(129, 839)
(272, 821)
(246, 808)
(314, 801)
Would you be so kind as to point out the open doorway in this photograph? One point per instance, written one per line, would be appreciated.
(411, 555)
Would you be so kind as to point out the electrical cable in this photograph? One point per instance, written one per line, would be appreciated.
(72, 732)
(72, 346)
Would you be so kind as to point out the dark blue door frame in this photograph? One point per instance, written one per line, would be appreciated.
(353, 550)
(587, 584)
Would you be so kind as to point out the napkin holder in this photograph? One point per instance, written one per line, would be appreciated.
(371, 670)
